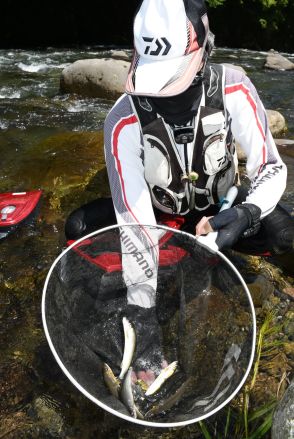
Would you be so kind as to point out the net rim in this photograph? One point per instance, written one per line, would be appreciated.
(100, 403)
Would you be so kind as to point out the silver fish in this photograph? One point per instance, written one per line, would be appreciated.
(129, 347)
(127, 396)
(111, 381)
(162, 377)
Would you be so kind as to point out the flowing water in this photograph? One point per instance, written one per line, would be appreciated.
(32, 109)
(29, 89)
(51, 141)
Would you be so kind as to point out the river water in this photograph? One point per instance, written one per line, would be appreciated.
(30, 99)
(49, 140)
(31, 107)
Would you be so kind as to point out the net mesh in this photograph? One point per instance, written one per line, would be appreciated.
(202, 308)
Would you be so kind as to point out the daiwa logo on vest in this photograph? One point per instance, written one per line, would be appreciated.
(138, 256)
(159, 45)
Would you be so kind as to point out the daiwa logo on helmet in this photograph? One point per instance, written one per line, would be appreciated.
(134, 251)
(159, 45)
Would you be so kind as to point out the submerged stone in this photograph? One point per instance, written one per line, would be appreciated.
(47, 411)
(67, 163)
(260, 289)
(283, 420)
(276, 61)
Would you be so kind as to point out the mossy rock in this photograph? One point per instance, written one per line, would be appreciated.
(65, 165)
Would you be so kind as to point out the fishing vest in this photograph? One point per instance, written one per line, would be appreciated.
(174, 187)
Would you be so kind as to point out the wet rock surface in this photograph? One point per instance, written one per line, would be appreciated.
(277, 123)
(38, 401)
(283, 420)
(285, 146)
(276, 61)
(104, 77)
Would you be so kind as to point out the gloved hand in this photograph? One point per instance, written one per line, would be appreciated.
(148, 357)
(242, 220)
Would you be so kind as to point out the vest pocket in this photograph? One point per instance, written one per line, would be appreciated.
(215, 153)
(157, 167)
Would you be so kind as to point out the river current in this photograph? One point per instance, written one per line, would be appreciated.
(32, 108)
(30, 99)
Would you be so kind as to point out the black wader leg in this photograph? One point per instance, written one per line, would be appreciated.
(276, 235)
(90, 217)
(279, 228)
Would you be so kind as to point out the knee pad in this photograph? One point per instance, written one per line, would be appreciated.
(75, 225)
(279, 226)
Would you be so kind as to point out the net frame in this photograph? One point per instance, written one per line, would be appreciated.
(95, 400)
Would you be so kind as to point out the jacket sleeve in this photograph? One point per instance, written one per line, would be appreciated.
(132, 202)
(249, 124)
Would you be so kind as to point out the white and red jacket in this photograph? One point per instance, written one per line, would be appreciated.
(124, 152)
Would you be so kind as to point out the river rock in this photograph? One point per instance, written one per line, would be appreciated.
(105, 77)
(260, 289)
(240, 153)
(284, 142)
(285, 146)
(276, 61)
(277, 125)
(283, 419)
(121, 54)
(67, 163)
(48, 412)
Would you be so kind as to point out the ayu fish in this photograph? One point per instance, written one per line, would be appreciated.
(129, 347)
(168, 403)
(166, 373)
(127, 397)
(111, 381)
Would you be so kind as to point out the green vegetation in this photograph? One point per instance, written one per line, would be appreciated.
(215, 3)
(243, 419)
(252, 24)
(255, 24)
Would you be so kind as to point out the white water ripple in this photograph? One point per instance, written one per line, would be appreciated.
(9, 93)
(39, 67)
(3, 125)
(32, 68)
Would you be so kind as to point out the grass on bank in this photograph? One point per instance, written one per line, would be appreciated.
(242, 420)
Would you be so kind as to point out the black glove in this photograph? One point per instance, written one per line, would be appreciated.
(148, 353)
(242, 220)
